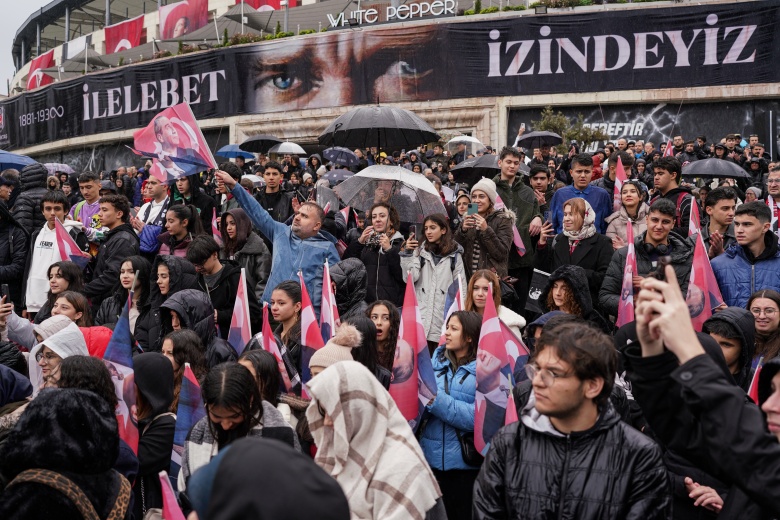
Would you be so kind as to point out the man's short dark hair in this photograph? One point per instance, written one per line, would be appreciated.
(665, 207)
(670, 164)
(508, 151)
(56, 197)
(722, 328)
(317, 210)
(718, 194)
(591, 354)
(89, 177)
(120, 203)
(201, 248)
(755, 209)
(583, 159)
(11, 174)
(231, 169)
(538, 168)
(702, 137)
(626, 158)
(274, 164)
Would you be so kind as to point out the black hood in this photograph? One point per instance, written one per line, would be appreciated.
(33, 176)
(182, 273)
(577, 281)
(195, 312)
(350, 279)
(5, 216)
(768, 372)
(744, 322)
(154, 379)
(65, 429)
(770, 249)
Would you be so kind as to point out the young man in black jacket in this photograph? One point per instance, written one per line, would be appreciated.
(570, 454)
(119, 243)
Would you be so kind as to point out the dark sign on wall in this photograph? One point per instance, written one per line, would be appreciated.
(613, 49)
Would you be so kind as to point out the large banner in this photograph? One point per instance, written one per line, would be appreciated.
(591, 51)
(124, 35)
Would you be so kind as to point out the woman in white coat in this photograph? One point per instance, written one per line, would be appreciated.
(434, 264)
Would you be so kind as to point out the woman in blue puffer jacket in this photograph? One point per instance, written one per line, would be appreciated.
(451, 413)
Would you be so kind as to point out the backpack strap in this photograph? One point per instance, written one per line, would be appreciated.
(77, 211)
(62, 484)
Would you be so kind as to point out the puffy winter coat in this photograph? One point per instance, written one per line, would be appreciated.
(27, 208)
(494, 243)
(14, 245)
(520, 199)
(223, 298)
(350, 278)
(256, 259)
(200, 200)
(182, 276)
(170, 246)
(197, 314)
(617, 223)
(450, 410)
(383, 268)
(431, 282)
(608, 471)
(739, 274)
(118, 244)
(682, 257)
(110, 310)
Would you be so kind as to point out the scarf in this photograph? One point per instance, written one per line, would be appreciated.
(370, 450)
(587, 230)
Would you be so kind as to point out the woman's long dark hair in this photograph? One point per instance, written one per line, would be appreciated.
(191, 214)
(367, 353)
(81, 304)
(388, 353)
(471, 325)
(187, 348)
(268, 379)
(243, 229)
(88, 373)
(70, 272)
(232, 387)
(143, 268)
(446, 244)
(293, 291)
(766, 345)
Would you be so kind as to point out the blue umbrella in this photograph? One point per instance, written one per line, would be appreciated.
(340, 155)
(232, 151)
(335, 177)
(15, 161)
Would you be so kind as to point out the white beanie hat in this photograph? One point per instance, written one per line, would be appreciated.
(51, 326)
(488, 187)
(338, 348)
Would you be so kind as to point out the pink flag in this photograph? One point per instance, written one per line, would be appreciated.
(345, 213)
(626, 303)
(215, 228)
(753, 388)
(267, 5)
(414, 383)
(311, 335)
(703, 291)
(694, 224)
(499, 203)
(517, 240)
(452, 302)
(511, 411)
(35, 76)
(500, 357)
(240, 327)
(170, 508)
(620, 178)
(326, 208)
(124, 35)
(270, 345)
(69, 249)
(329, 311)
(174, 139)
(669, 150)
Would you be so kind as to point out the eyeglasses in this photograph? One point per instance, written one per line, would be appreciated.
(548, 378)
(49, 356)
(767, 312)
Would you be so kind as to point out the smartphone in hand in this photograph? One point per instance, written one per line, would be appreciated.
(473, 209)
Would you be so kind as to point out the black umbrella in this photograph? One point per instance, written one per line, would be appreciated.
(383, 127)
(539, 139)
(259, 143)
(714, 168)
(341, 155)
(337, 176)
(472, 170)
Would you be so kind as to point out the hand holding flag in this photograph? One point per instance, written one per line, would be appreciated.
(68, 248)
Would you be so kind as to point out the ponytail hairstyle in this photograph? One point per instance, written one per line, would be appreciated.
(231, 386)
(191, 214)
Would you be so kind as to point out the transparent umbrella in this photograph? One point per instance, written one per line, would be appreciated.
(464, 142)
(412, 195)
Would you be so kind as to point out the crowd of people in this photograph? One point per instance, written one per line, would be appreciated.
(651, 419)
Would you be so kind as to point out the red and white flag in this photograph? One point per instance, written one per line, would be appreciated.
(68, 248)
(124, 35)
(215, 228)
(270, 345)
(626, 303)
(173, 138)
(181, 18)
(452, 302)
(694, 223)
(517, 240)
(329, 311)
(753, 388)
(501, 358)
(311, 335)
(266, 5)
(770, 201)
(703, 291)
(240, 332)
(620, 178)
(669, 150)
(511, 411)
(35, 77)
(345, 213)
(414, 383)
(170, 509)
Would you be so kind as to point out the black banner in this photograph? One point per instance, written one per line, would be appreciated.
(591, 51)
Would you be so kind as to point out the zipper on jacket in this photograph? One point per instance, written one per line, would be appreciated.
(752, 278)
(564, 476)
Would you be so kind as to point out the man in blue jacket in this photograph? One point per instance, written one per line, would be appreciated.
(581, 174)
(303, 247)
(753, 263)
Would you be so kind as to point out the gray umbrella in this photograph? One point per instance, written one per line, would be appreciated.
(411, 194)
(539, 139)
(337, 176)
(259, 143)
(341, 155)
(472, 170)
(714, 168)
(383, 127)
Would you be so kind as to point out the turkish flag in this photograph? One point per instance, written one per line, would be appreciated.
(266, 5)
(181, 18)
(124, 35)
(36, 78)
